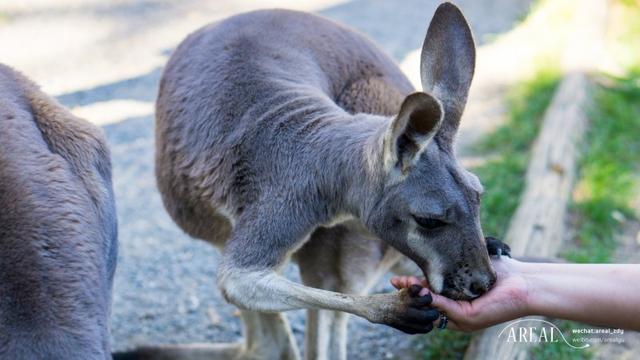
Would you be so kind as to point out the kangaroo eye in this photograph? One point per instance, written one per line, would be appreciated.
(429, 223)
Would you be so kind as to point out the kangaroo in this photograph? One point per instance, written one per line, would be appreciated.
(281, 134)
(58, 233)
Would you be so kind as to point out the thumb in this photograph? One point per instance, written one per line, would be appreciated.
(450, 307)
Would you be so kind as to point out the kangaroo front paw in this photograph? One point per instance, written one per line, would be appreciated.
(497, 247)
(407, 311)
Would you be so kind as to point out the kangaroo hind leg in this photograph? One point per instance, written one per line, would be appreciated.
(338, 260)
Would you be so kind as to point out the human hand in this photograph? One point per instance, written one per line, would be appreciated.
(507, 300)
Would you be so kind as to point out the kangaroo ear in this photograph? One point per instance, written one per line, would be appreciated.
(417, 122)
(447, 64)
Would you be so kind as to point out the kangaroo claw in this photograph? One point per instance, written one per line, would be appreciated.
(497, 247)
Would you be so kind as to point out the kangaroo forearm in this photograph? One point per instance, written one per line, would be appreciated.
(266, 291)
(607, 294)
(269, 292)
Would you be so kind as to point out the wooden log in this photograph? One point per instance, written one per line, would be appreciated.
(537, 226)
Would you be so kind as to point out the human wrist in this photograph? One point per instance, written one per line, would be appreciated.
(539, 279)
(528, 276)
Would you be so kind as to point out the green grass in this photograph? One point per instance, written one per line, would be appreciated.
(608, 170)
(560, 350)
(446, 345)
(503, 178)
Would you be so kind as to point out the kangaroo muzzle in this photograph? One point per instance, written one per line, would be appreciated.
(465, 283)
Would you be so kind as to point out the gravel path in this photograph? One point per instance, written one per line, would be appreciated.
(107, 63)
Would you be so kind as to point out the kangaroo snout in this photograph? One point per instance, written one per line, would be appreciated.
(467, 284)
(481, 283)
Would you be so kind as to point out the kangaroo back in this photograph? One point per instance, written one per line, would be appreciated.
(58, 235)
(236, 90)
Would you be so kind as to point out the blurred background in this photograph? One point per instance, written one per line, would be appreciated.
(103, 60)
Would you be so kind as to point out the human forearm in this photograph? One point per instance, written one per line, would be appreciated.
(607, 295)
(600, 294)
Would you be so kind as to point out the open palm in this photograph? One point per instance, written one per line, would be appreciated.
(507, 300)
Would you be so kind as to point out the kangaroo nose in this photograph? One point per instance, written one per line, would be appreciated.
(482, 284)
(478, 287)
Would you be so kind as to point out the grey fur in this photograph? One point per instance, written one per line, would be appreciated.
(276, 126)
(58, 231)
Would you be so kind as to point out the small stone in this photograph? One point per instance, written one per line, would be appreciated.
(182, 309)
(194, 302)
(618, 216)
(557, 168)
(147, 316)
(213, 316)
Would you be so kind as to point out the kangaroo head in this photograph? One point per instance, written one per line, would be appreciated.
(429, 206)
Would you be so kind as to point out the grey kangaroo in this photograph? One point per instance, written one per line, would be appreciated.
(284, 135)
(58, 240)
